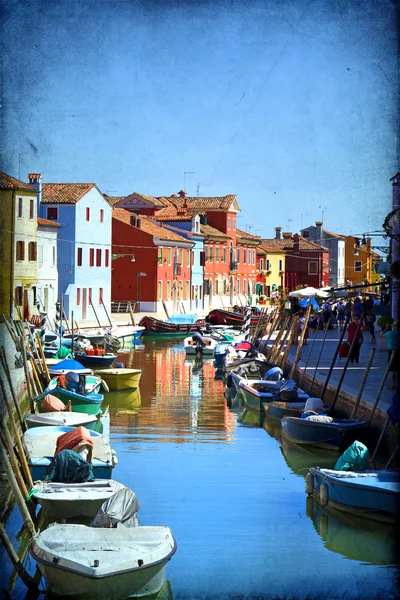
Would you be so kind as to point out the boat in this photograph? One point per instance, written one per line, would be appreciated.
(284, 408)
(176, 325)
(100, 563)
(95, 360)
(234, 359)
(253, 371)
(92, 335)
(40, 443)
(372, 494)
(203, 345)
(68, 365)
(220, 316)
(88, 402)
(253, 397)
(70, 419)
(127, 333)
(219, 354)
(121, 378)
(69, 500)
(320, 430)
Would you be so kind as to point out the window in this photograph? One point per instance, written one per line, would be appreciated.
(202, 259)
(261, 264)
(187, 291)
(225, 286)
(100, 296)
(216, 254)
(160, 291)
(79, 257)
(224, 255)
(357, 266)
(20, 251)
(210, 256)
(101, 215)
(254, 257)
(78, 296)
(98, 257)
(54, 256)
(107, 258)
(229, 222)
(159, 257)
(244, 256)
(169, 256)
(20, 208)
(32, 251)
(91, 257)
(180, 256)
(168, 290)
(234, 223)
(238, 255)
(87, 213)
(312, 268)
(189, 257)
(31, 209)
(217, 287)
(18, 296)
(249, 257)
(244, 286)
(90, 297)
(281, 265)
(268, 265)
(52, 213)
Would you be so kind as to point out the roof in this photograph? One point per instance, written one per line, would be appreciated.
(47, 223)
(196, 203)
(280, 245)
(212, 232)
(334, 235)
(156, 202)
(249, 237)
(11, 183)
(112, 200)
(65, 193)
(147, 225)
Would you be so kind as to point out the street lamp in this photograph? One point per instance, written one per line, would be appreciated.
(138, 276)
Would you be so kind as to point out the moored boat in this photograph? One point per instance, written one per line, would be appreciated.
(203, 345)
(61, 419)
(220, 316)
(121, 378)
(176, 325)
(320, 430)
(95, 360)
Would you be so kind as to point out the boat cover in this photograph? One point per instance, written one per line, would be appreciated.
(75, 439)
(69, 467)
(182, 319)
(69, 365)
(51, 403)
(355, 458)
(118, 511)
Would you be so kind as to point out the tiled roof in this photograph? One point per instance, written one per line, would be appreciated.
(47, 222)
(156, 202)
(275, 245)
(212, 232)
(245, 237)
(375, 255)
(334, 235)
(147, 225)
(11, 183)
(64, 193)
(112, 200)
(206, 203)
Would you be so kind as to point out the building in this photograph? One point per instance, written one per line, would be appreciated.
(18, 247)
(151, 265)
(336, 246)
(47, 272)
(358, 259)
(83, 249)
(271, 266)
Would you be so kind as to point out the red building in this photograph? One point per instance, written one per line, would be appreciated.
(150, 263)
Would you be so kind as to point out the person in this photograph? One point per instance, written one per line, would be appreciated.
(351, 334)
(348, 310)
(326, 314)
(393, 339)
(301, 327)
(357, 307)
(370, 323)
(341, 316)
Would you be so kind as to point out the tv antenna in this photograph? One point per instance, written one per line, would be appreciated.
(184, 178)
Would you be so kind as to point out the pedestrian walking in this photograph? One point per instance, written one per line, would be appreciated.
(326, 314)
(341, 315)
(351, 334)
(393, 339)
(348, 310)
(370, 325)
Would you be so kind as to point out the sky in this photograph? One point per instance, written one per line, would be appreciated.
(289, 104)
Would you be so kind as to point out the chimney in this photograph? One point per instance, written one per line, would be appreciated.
(296, 243)
(318, 232)
(35, 180)
(287, 235)
(181, 194)
(278, 231)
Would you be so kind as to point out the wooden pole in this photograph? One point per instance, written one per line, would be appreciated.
(44, 363)
(25, 577)
(320, 354)
(131, 314)
(36, 379)
(14, 485)
(293, 331)
(382, 385)
(272, 351)
(3, 360)
(300, 344)
(380, 438)
(27, 374)
(363, 382)
(274, 324)
(343, 373)
(7, 442)
(281, 340)
(165, 309)
(66, 320)
(392, 456)
(105, 310)
(94, 310)
(308, 357)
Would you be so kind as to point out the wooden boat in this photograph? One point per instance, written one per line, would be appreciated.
(320, 430)
(176, 325)
(102, 563)
(220, 316)
(372, 494)
(127, 333)
(61, 367)
(89, 403)
(121, 379)
(256, 392)
(284, 408)
(60, 419)
(254, 371)
(99, 361)
(206, 349)
(69, 500)
(40, 443)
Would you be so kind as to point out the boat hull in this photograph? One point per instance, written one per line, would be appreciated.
(154, 326)
(278, 410)
(121, 379)
(314, 433)
(96, 361)
(89, 404)
(70, 419)
(254, 399)
(219, 316)
(372, 494)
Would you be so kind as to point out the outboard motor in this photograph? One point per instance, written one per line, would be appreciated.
(72, 381)
(288, 391)
(198, 342)
(314, 406)
(274, 374)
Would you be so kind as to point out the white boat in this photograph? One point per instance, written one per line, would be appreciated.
(68, 500)
(205, 347)
(127, 332)
(103, 563)
(70, 419)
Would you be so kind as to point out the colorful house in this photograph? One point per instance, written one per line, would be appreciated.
(271, 267)
(47, 272)
(336, 246)
(358, 259)
(83, 249)
(18, 247)
(150, 263)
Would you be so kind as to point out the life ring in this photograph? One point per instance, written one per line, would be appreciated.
(323, 494)
(309, 483)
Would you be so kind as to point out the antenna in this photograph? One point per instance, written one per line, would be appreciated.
(323, 209)
(184, 178)
(198, 189)
(288, 224)
(301, 222)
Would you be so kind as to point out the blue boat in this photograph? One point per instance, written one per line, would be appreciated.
(320, 430)
(106, 360)
(40, 443)
(372, 494)
(219, 354)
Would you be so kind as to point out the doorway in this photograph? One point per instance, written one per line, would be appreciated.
(84, 302)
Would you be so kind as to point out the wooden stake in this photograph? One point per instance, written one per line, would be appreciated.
(319, 357)
(363, 382)
(7, 442)
(292, 332)
(308, 357)
(131, 314)
(381, 437)
(36, 379)
(25, 577)
(300, 343)
(280, 340)
(27, 374)
(382, 385)
(42, 356)
(13, 483)
(3, 360)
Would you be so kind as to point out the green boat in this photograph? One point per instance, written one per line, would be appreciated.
(89, 402)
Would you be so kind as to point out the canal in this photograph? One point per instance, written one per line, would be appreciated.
(233, 497)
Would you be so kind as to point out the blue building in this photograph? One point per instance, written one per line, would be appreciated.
(83, 247)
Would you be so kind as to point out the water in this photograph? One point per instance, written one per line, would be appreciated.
(233, 497)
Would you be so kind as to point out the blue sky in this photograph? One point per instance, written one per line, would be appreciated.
(290, 104)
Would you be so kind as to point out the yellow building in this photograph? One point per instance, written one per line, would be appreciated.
(18, 247)
(358, 260)
(271, 268)
(376, 258)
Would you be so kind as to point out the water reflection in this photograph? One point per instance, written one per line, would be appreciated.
(299, 459)
(352, 537)
(251, 417)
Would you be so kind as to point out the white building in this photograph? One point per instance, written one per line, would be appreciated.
(47, 272)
